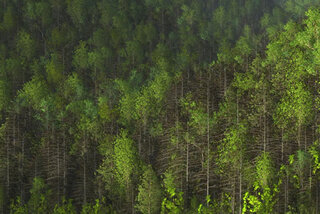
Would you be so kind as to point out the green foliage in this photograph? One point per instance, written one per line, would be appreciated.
(38, 12)
(60, 36)
(80, 59)
(9, 20)
(100, 207)
(106, 169)
(223, 205)
(198, 115)
(231, 149)
(148, 102)
(300, 164)
(296, 104)
(150, 194)
(125, 159)
(243, 47)
(74, 89)
(314, 152)
(17, 207)
(54, 70)
(105, 112)
(38, 202)
(77, 11)
(4, 99)
(265, 170)
(265, 188)
(36, 94)
(86, 84)
(66, 207)
(173, 201)
(25, 45)
(298, 7)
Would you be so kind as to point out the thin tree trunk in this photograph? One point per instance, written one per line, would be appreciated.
(240, 189)
(187, 167)
(317, 197)
(84, 172)
(162, 24)
(84, 181)
(144, 129)
(264, 121)
(21, 164)
(149, 201)
(132, 200)
(8, 167)
(14, 135)
(225, 81)
(299, 134)
(139, 142)
(240, 169)
(208, 135)
(305, 139)
(310, 183)
(48, 143)
(64, 163)
(286, 192)
(234, 195)
(282, 146)
(58, 164)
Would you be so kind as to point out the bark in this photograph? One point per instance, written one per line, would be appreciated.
(85, 171)
(64, 163)
(264, 121)
(208, 135)
(8, 166)
(240, 171)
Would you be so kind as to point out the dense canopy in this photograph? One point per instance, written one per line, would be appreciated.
(159, 106)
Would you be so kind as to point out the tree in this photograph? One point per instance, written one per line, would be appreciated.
(9, 21)
(38, 202)
(173, 201)
(264, 186)
(150, 194)
(26, 46)
(99, 207)
(77, 11)
(65, 207)
(101, 98)
(125, 159)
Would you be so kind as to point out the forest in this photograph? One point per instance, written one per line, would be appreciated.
(159, 106)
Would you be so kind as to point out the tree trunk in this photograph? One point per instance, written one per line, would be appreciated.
(317, 197)
(286, 193)
(21, 164)
(225, 81)
(58, 165)
(282, 146)
(64, 163)
(264, 121)
(187, 167)
(8, 167)
(299, 134)
(240, 169)
(84, 171)
(208, 135)
(48, 143)
(305, 139)
(233, 195)
(240, 189)
(139, 141)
